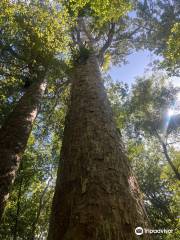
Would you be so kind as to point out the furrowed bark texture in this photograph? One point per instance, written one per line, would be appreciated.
(14, 136)
(96, 195)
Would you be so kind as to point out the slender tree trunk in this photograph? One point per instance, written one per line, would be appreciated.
(39, 210)
(96, 195)
(18, 206)
(165, 151)
(14, 136)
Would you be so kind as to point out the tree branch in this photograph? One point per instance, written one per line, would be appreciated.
(127, 35)
(177, 174)
(165, 151)
(107, 43)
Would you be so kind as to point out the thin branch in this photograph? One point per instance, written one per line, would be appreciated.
(173, 142)
(127, 35)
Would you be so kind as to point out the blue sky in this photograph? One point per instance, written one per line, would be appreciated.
(136, 66)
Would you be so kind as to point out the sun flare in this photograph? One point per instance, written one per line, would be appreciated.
(178, 97)
(170, 112)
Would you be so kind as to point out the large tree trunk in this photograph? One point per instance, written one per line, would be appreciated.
(96, 195)
(14, 135)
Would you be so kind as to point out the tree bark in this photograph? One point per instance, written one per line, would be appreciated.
(14, 136)
(96, 195)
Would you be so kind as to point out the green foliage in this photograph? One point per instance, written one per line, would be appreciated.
(107, 61)
(158, 18)
(33, 35)
(33, 178)
(136, 112)
(172, 53)
(151, 99)
(118, 96)
(100, 23)
(81, 55)
(37, 25)
(160, 192)
(159, 31)
(101, 11)
(36, 177)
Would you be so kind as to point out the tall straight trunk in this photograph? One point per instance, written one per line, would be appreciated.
(96, 195)
(14, 136)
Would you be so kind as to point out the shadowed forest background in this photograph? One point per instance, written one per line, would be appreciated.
(64, 135)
